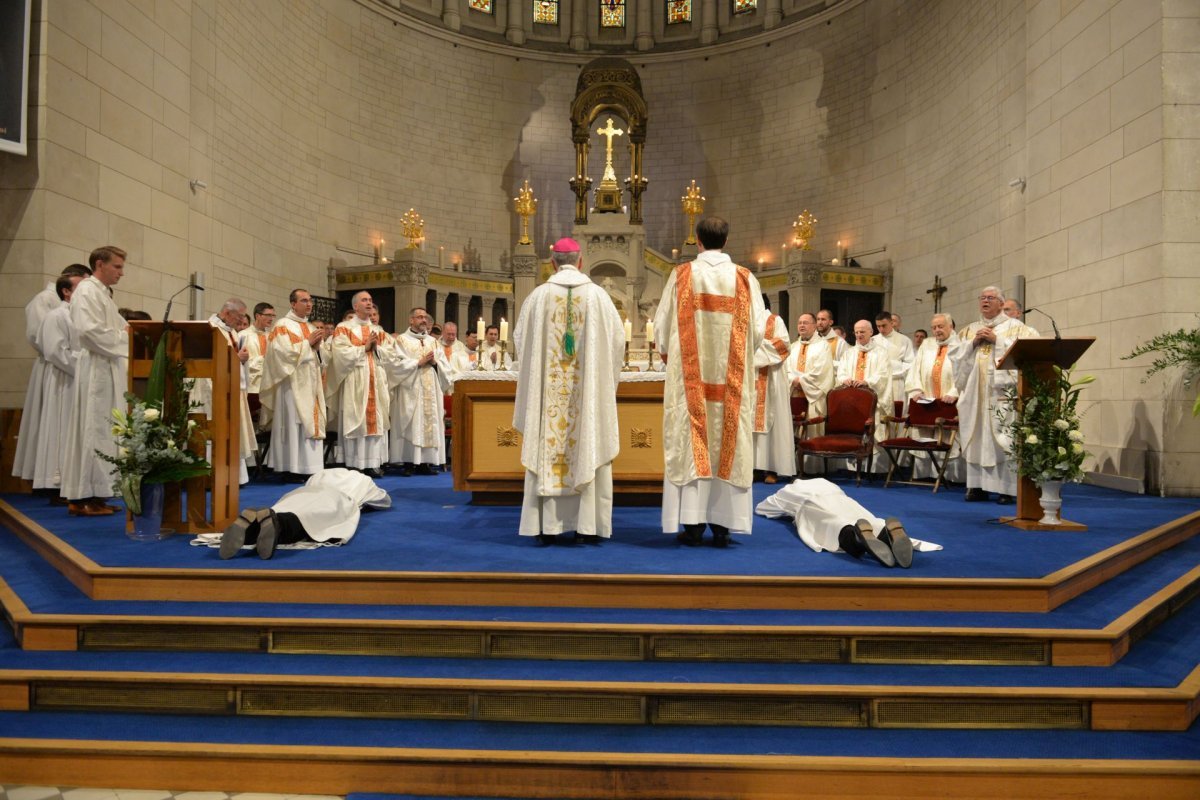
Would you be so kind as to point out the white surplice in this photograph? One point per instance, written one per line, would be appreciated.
(24, 460)
(418, 410)
(981, 389)
(293, 398)
(708, 464)
(356, 387)
(566, 405)
(100, 386)
(774, 437)
(820, 510)
(486, 351)
(932, 376)
(60, 348)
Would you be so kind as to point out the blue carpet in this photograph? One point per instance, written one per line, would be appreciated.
(45, 591)
(433, 528)
(585, 739)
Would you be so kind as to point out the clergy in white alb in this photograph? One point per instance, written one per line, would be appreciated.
(35, 313)
(774, 436)
(454, 353)
(900, 351)
(227, 321)
(981, 407)
(570, 341)
(811, 369)
(491, 357)
(356, 385)
(100, 385)
(868, 364)
(835, 341)
(254, 342)
(419, 378)
(709, 323)
(292, 391)
(931, 377)
(59, 346)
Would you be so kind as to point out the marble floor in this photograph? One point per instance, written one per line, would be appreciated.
(68, 793)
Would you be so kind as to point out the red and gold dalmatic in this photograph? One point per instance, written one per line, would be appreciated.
(709, 397)
(776, 345)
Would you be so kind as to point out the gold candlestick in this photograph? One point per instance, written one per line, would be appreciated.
(693, 206)
(526, 208)
(413, 227)
(803, 230)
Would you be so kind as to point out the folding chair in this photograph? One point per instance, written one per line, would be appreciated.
(943, 419)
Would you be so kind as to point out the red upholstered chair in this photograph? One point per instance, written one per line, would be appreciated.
(849, 430)
(799, 412)
(448, 407)
(942, 418)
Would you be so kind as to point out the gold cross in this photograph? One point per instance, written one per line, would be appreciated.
(609, 131)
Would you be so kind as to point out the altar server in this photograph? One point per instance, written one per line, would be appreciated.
(491, 356)
(774, 438)
(709, 323)
(570, 342)
(59, 346)
(291, 391)
(419, 379)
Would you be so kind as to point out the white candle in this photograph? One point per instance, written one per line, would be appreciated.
(479, 330)
(628, 331)
(441, 254)
(649, 331)
(503, 329)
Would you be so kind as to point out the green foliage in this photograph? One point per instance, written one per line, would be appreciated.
(1046, 444)
(1179, 348)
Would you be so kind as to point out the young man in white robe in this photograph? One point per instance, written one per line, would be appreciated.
(420, 378)
(100, 385)
(491, 357)
(981, 404)
(292, 392)
(228, 320)
(931, 377)
(709, 324)
(774, 440)
(36, 310)
(356, 386)
(869, 365)
(570, 342)
(828, 334)
(59, 346)
(254, 341)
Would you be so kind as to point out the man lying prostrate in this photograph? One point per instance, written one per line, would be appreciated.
(826, 519)
(323, 512)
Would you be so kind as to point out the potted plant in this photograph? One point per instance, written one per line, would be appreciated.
(1046, 444)
(1179, 348)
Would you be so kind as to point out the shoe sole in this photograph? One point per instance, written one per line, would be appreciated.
(234, 537)
(902, 546)
(878, 549)
(268, 534)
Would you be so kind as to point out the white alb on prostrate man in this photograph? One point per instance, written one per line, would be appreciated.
(100, 384)
(356, 386)
(981, 390)
(710, 321)
(774, 437)
(569, 340)
(291, 391)
(420, 379)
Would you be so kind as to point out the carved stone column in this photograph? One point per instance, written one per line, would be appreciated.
(804, 282)
(412, 280)
(644, 39)
(580, 182)
(514, 30)
(524, 267)
(773, 15)
(708, 21)
(636, 182)
(450, 16)
(578, 40)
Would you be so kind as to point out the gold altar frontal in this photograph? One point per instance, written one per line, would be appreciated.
(486, 448)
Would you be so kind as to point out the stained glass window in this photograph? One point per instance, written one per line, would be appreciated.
(612, 13)
(741, 6)
(481, 5)
(545, 11)
(679, 11)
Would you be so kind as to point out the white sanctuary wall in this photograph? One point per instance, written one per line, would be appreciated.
(317, 124)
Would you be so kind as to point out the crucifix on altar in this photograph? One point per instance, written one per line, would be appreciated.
(608, 193)
(937, 291)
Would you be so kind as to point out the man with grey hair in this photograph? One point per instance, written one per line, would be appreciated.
(930, 378)
(227, 319)
(1016, 310)
(981, 389)
(356, 388)
(420, 379)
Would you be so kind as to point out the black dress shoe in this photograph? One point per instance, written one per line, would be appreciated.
(691, 536)
(859, 539)
(405, 471)
(976, 495)
(720, 535)
(268, 535)
(897, 540)
(425, 469)
(586, 538)
(543, 540)
(376, 473)
(1005, 499)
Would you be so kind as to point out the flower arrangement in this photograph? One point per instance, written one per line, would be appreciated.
(1179, 348)
(154, 436)
(1046, 444)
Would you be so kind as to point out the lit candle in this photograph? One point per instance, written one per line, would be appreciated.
(628, 331)
(503, 329)
(674, 253)
(441, 253)
(649, 331)
(479, 330)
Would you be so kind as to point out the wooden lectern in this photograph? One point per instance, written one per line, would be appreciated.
(205, 353)
(1037, 358)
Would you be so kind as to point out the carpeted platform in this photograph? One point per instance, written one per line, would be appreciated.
(433, 528)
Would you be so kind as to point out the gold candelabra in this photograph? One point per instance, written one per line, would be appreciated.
(693, 206)
(413, 227)
(526, 208)
(802, 230)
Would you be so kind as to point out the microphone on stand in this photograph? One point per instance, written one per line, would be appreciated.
(1057, 335)
(167, 315)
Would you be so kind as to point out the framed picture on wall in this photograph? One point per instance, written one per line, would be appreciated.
(14, 75)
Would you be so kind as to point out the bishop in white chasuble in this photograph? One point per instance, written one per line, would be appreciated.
(291, 391)
(356, 380)
(710, 322)
(774, 438)
(570, 341)
(420, 378)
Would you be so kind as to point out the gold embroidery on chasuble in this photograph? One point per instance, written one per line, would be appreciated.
(426, 389)
(560, 403)
(936, 375)
(860, 369)
(360, 340)
(760, 383)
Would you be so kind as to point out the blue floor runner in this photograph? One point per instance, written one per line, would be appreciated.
(586, 739)
(433, 528)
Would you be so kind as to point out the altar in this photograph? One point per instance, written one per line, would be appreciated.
(486, 448)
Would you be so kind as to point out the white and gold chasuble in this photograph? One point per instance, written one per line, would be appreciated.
(291, 358)
(417, 392)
